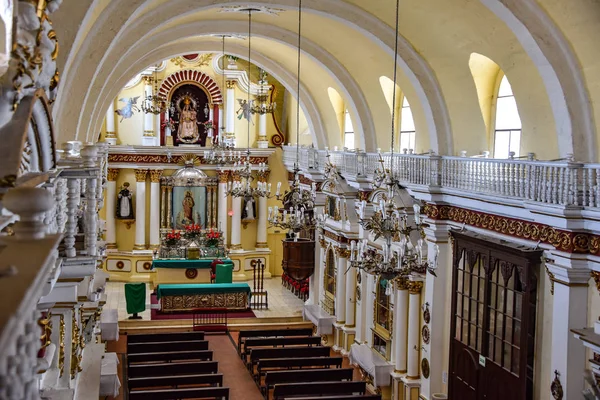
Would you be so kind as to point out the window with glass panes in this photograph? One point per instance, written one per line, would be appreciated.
(382, 308)
(407, 127)
(507, 130)
(348, 131)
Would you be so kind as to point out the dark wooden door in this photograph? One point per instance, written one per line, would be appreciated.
(493, 324)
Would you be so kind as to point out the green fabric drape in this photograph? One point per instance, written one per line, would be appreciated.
(224, 273)
(200, 288)
(135, 296)
(185, 264)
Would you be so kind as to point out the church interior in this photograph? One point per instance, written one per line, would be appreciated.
(299, 199)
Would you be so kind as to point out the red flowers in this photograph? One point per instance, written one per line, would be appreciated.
(193, 231)
(212, 237)
(172, 238)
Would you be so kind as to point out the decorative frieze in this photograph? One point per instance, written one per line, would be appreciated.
(166, 159)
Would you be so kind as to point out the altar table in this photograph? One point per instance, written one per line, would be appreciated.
(183, 271)
(187, 297)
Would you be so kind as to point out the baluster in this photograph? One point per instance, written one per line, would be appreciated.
(71, 223)
(596, 187)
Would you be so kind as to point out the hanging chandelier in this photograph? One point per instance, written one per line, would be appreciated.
(153, 103)
(242, 167)
(297, 213)
(390, 222)
(261, 105)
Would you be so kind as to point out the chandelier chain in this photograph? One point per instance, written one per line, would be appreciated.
(298, 85)
(394, 89)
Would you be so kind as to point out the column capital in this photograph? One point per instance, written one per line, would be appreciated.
(140, 175)
(263, 176)
(568, 276)
(437, 231)
(223, 176)
(342, 252)
(236, 176)
(112, 174)
(148, 80)
(415, 287)
(155, 175)
(401, 283)
(230, 84)
(322, 241)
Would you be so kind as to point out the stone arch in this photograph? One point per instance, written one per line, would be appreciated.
(191, 75)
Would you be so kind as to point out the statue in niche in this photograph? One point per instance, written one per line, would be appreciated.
(187, 215)
(249, 209)
(124, 202)
(188, 124)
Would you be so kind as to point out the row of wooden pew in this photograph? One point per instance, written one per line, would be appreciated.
(169, 366)
(292, 364)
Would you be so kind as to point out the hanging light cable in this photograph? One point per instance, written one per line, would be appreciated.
(390, 222)
(299, 202)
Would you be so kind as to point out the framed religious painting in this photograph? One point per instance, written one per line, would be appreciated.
(189, 206)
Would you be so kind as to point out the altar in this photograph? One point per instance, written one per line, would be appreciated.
(169, 271)
(187, 297)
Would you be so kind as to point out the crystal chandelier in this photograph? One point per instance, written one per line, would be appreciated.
(243, 188)
(261, 105)
(297, 213)
(153, 103)
(390, 223)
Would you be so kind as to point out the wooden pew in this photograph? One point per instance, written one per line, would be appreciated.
(220, 393)
(306, 375)
(280, 341)
(161, 347)
(271, 333)
(165, 337)
(200, 355)
(291, 390)
(342, 397)
(286, 352)
(169, 369)
(177, 380)
(269, 364)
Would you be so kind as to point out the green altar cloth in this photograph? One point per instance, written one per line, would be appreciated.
(185, 264)
(200, 288)
(135, 297)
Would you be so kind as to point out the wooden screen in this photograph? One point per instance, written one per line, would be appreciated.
(493, 324)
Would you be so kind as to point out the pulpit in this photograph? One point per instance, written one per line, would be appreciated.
(299, 258)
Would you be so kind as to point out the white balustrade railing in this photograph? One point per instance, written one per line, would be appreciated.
(558, 183)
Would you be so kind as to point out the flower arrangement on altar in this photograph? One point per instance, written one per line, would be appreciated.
(173, 238)
(192, 232)
(170, 124)
(212, 237)
(208, 125)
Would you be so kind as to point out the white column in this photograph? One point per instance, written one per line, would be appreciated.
(222, 202)
(148, 138)
(340, 285)
(111, 133)
(315, 284)
(230, 111)
(436, 298)
(236, 222)
(261, 223)
(155, 175)
(350, 296)
(262, 142)
(570, 310)
(110, 204)
(221, 126)
(369, 314)
(157, 129)
(414, 329)
(401, 326)
(140, 209)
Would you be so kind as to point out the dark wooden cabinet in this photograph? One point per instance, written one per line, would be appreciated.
(299, 258)
(493, 319)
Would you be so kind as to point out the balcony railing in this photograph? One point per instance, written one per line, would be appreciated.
(562, 183)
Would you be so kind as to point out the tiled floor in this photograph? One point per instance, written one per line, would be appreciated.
(282, 302)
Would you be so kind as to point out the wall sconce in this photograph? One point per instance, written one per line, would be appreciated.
(230, 213)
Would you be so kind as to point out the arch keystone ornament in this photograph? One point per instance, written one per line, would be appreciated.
(192, 76)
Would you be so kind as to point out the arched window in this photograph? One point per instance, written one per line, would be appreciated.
(383, 320)
(348, 131)
(507, 130)
(330, 272)
(407, 128)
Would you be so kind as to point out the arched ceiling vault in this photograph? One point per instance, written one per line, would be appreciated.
(116, 82)
(356, 100)
(116, 29)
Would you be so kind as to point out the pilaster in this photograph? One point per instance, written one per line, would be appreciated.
(155, 176)
(140, 209)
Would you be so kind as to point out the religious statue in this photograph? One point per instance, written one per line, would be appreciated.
(249, 212)
(245, 110)
(187, 216)
(124, 202)
(188, 124)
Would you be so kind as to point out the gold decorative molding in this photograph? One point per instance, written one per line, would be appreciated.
(322, 241)
(415, 287)
(235, 247)
(149, 133)
(110, 135)
(140, 175)
(148, 80)
(230, 84)
(75, 344)
(236, 176)
(401, 283)
(551, 276)
(342, 252)
(61, 347)
(112, 174)
(263, 176)
(596, 276)
(139, 247)
(155, 175)
(223, 176)
(262, 245)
